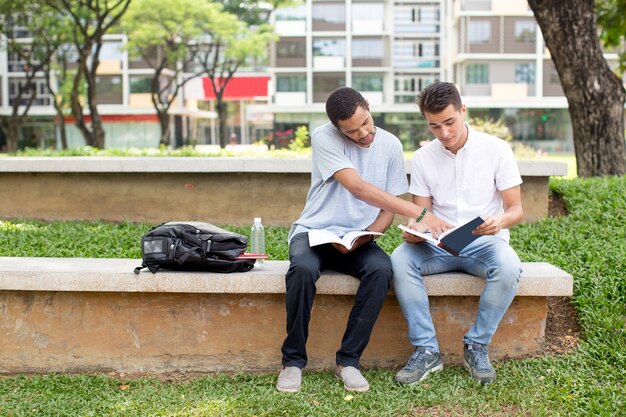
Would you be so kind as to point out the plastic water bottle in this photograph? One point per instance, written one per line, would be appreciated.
(257, 240)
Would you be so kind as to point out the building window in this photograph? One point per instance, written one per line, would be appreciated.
(416, 19)
(292, 13)
(37, 88)
(425, 14)
(329, 16)
(525, 31)
(368, 12)
(369, 51)
(111, 51)
(329, 47)
(479, 31)
(406, 87)
(290, 83)
(477, 74)
(325, 83)
(367, 82)
(140, 84)
(416, 53)
(291, 48)
(109, 89)
(525, 73)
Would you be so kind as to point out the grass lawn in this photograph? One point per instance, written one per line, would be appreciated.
(590, 243)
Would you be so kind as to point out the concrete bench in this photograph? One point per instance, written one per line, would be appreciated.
(74, 314)
(132, 188)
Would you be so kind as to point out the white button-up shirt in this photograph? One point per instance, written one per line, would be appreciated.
(467, 184)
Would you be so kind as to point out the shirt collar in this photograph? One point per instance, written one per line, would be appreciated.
(468, 143)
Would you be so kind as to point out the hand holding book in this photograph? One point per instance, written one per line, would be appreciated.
(453, 240)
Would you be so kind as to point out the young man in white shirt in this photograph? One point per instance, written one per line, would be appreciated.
(357, 173)
(458, 176)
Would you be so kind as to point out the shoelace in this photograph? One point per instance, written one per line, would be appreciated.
(481, 358)
(419, 357)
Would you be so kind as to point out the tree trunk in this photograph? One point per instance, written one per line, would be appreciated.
(222, 115)
(594, 93)
(77, 107)
(61, 120)
(164, 121)
(62, 130)
(96, 121)
(10, 130)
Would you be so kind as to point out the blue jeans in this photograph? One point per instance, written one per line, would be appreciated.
(489, 257)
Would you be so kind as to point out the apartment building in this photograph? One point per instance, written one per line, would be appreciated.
(388, 49)
(504, 71)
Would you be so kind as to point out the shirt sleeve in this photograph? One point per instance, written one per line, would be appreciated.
(328, 152)
(397, 183)
(507, 174)
(418, 185)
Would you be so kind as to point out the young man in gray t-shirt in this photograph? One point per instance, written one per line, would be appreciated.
(358, 172)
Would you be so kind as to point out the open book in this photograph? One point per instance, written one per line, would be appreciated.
(452, 240)
(320, 237)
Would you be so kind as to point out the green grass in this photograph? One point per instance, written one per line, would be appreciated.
(590, 243)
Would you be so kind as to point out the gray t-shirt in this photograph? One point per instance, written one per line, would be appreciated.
(329, 205)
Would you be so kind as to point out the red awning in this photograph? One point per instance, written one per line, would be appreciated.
(239, 88)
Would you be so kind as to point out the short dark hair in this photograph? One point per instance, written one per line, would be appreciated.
(437, 96)
(342, 103)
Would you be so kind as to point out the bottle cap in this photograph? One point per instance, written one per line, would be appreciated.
(257, 220)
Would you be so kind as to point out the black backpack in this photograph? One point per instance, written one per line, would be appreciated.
(193, 246)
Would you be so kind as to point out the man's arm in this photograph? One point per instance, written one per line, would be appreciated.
(377, 197)
(382, 222)
(513, 213)
(422, 202)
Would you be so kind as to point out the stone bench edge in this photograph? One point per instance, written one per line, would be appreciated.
(539, 279)
(95, 164)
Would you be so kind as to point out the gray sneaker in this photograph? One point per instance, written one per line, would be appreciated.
(476, 359)
(289, 379)
(421, 363)
(352, 379)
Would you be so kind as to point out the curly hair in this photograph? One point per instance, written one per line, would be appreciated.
(437, 96)
(342, 103)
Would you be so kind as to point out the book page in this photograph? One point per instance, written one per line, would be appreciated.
(350, 237)
(426, 236)
(320, 237)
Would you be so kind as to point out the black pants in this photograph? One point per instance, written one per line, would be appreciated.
(369, 263)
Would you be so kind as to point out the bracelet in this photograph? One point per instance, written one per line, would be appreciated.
(421, 216)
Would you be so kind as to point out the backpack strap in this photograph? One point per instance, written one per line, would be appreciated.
(190, 252)
(151, 268)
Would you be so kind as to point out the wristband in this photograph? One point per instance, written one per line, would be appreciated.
(421, 216)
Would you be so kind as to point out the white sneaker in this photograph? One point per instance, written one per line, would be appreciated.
(352, 379)
(289, 379)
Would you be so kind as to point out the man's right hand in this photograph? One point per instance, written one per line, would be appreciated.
(410, 238)
(434, 224)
